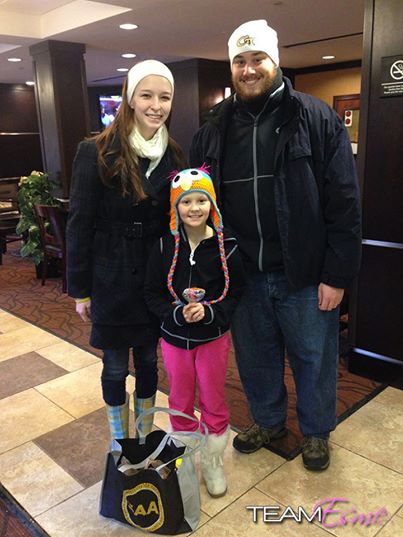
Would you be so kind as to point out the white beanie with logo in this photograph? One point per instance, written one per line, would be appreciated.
(254, 36)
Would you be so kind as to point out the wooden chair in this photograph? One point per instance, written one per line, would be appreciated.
(9, 214)
(52, 228)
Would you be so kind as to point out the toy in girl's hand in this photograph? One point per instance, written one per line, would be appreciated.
(193, 294)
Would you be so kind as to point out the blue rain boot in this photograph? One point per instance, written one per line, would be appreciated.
(139, 406)
(118, 417)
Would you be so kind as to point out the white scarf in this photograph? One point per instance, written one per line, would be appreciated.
(153, 149)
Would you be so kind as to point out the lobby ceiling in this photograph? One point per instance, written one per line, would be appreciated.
(174, 30)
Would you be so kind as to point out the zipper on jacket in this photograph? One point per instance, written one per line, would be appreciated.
(189, 285)
(255, 193)
(191, 260)
(255, 175)
(190, 272)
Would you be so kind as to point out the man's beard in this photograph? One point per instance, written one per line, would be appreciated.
(250, 94)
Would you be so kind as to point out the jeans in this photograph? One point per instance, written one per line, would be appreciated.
(270, 320)
(116, 368)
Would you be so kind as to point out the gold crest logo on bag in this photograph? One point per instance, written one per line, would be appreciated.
(245, 40)
(142, 507)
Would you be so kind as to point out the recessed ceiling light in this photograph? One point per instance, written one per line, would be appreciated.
(128, 55)
(128, 26)
(30, 83)
(14, 59)
(328, 57)
(122, 69)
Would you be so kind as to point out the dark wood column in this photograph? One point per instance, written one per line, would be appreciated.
(199, 85)
(62, 105)
(376, 316)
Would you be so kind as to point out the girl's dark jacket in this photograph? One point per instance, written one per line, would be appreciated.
(316, 194)
(205, 272)
(109, 238)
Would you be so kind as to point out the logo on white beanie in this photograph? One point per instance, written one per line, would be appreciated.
(245, 40)
(254, 36)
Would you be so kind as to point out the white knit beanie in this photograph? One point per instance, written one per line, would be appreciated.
(143, 69)
(254, 36)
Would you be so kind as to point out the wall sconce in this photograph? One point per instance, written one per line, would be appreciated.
(220, 96)
(227, 92)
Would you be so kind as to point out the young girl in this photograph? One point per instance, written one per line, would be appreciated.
(194, 279)
(119, 205)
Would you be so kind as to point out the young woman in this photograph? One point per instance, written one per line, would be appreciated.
(194, 280)
(119, 203)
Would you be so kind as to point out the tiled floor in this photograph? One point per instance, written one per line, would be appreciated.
(54, 437)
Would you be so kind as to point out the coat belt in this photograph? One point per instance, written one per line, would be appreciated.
(129, 230)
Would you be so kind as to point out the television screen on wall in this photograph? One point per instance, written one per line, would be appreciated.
(108, 107)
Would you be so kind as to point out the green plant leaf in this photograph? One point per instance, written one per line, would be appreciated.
(35, 188)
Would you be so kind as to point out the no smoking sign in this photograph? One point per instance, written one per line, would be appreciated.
(392, 76)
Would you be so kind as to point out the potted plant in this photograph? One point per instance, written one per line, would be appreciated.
(35, 188)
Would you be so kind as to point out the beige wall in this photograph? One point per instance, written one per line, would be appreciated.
(327, 84)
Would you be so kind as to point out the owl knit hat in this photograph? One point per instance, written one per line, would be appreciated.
(186, 182)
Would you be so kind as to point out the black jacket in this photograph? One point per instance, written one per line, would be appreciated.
(316, 195)
(206, 272)
(109, 238)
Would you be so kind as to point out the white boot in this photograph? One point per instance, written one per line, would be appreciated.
(211, 458)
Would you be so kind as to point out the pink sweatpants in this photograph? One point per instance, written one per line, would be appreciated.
(207, 364)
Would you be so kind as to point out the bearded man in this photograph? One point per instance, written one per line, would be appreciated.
(285, 178)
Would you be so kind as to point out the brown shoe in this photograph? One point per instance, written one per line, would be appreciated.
(256, 437)
(315, 453)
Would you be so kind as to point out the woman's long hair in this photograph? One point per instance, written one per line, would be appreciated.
(124, 173)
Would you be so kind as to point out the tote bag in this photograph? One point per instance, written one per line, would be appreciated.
(151, 482)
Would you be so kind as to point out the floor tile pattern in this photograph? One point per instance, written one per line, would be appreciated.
(26, 371)
(54, 438)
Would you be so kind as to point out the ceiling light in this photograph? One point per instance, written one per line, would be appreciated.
(328, 57)
(30, 83)
(122, 69)
(128, 26)
(128, 55)
(14, 59)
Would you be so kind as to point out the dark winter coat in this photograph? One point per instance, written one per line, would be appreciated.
(204, 271)
(316, 195)
(109, 238)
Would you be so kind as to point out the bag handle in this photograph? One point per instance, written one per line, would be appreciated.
(189, 452)
(167, 438)
(171, 412)
(151, 456)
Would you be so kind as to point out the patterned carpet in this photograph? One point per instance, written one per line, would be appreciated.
(45, 306)
(14, 521)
